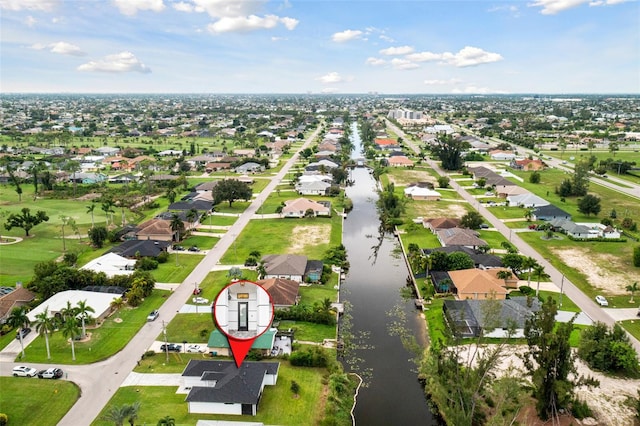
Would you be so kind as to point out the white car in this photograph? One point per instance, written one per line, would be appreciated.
(600, 300)
(153, 315)
(24, 371)
(196, 349)
(200, 300)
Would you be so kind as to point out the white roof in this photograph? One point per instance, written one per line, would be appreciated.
(100, 302)
(527, 200)
(111, 264)
(423, 192)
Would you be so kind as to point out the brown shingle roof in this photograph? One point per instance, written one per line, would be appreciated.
(283, 292)
(18, 297)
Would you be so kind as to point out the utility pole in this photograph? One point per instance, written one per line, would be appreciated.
(166, 345)
(561, 287)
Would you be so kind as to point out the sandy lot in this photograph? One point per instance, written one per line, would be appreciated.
(603, 271)
(408, 177)
(302, 236)
(606, 401)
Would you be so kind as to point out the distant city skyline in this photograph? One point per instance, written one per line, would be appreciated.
(320, 46)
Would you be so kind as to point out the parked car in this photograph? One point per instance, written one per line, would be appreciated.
(50, 373)
(24, 371)
(153, 316)
(200, 300)
(196, 349)
(484, 226)
(178, 248)
(194, 248)
(171, 347)
(600, 300)
(23, 332)
(197, 291)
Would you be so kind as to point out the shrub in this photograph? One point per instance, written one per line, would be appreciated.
(163, 257)
(526, 290)
(4, 419)
(295, 387)
(580, 409)
(636, 256)
(147, 264)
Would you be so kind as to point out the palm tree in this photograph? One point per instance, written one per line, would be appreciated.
(255, 254)
(83, 310)
(539, 271)
(116, 414)
(528, 214)
(176, 225)
(107, 207)
(191, 216)
(45, 326)
(70, 330)
(632, 288)
(19, 319)
(131, 411)
(527, 264)
(65, 221)
(90, 209)
(68, 311)
(116, 304)
(167, 421)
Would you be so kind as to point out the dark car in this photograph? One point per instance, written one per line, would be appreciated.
(23, 332)
(171, 347)
(50, 373)
(194, 248)
(178, 248)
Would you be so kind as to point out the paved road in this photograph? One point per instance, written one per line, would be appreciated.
(101, 380)
(588, 306)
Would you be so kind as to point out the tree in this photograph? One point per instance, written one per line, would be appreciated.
(231, 190)
(90, 208)
(449, 151)
(70, 330)
(589, 204)
(534, 177)
(443, 181)
(636, 256)
(608, 349)
(19, 319)
(171, 195)
(116, 304)
(471, 220)
(167, 421)
(98, 235)
(107, 208)
(72, 167)
(632, 288)
(549, 360)
(116, 414)
(131, 411)
(83, 311)
(539, 271)
(613, 148)
(65, 221)
(528, 263)
(459, 260)
(25, 220)
(191, 216)
(528, 214)
(177, 225)
(45, 326)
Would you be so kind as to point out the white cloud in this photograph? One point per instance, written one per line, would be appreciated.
(346, 35)
(228, 8)
(375, 61)
(401, 50)
(30, 21)
(278, 38)
(551, 7)
(61, 48)
(330, 78)
(468, 56)
(131, 7)
(386, 38)
(183, 7)
(403, 64)
(442, 82)
(117, 63)
(250, 23)
(509, 8)
(41, 5)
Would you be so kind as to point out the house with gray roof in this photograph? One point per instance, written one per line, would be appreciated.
(459, 237)
(292, 266)
(549, 212)
(468, 318)
(219, 387)
(249, 167)
(527, 200)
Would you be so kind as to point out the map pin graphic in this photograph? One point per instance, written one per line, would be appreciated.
(242, 311)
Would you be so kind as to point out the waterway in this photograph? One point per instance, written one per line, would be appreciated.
(372, 288)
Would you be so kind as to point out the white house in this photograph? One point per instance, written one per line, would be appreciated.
(419, 193)
(528, 200)
(219, 387)
(313, 188)
(111, 264)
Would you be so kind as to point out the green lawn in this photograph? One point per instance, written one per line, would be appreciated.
(203, 242)
(493, 238)
(436, 326)
(309, 332)
(276, 236)
(277, 406)
(30, 401)
(105, 341)
(632, 326)
(219, 220)
(169, 272)
(419, 235)
(192, 328)
(315, 293)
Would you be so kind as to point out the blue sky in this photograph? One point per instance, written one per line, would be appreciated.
(320, 46)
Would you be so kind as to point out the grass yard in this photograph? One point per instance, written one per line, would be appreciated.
(219, 220)
(157, 363)
(192, 328)
(436, 327)
(632, 326)
(169, 272)
(316, 293)
(105, 341)
(306, 236)
(309, 332)
(418, 235)
(29, 401)
(201, 241)
(277, 406)
(493, 238)
(502, 212)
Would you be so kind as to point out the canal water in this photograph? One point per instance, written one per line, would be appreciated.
(372, 290)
